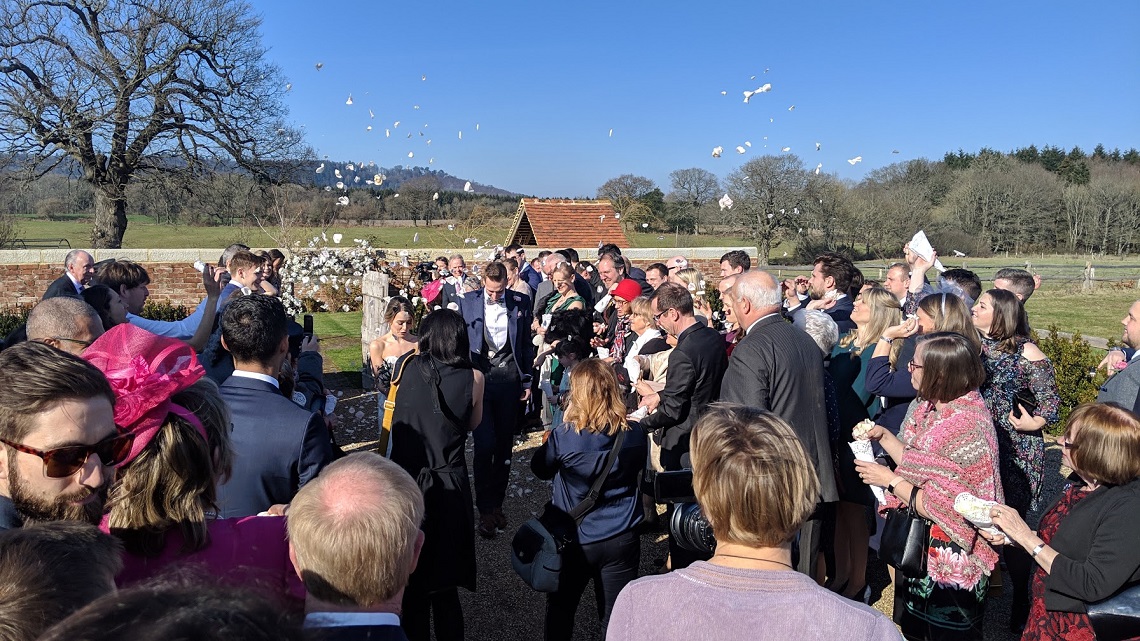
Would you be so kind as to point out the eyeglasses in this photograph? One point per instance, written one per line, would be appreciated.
(85, 344)
(62, 462)
(657, 316)
(911, 366)
(1065, 443)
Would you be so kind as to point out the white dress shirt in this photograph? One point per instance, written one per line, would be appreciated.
(495, 316)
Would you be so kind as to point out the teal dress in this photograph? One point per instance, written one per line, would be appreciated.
(848, 370)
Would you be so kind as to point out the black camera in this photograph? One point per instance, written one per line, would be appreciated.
(687, 526)
(691, 530)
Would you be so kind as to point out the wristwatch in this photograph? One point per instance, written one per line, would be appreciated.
(1037, 550)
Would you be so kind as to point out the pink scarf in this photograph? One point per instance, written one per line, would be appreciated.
(950, 451)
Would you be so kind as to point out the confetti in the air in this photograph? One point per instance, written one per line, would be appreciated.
(339, 185)
(717, 151)
(747, 144)
(319, 65)
(645, 225)
(724, 93)
(817, 168)
(740, 149)
(765, 88)
(856, 159)
(288, 86)
(792, 108)
(350, 167)
(725, 203)
(349, 101)
(467, 186)
(895, 151)
(321, 169)
(337, 238)
(786, 149)
(817, 146)
(435, 196)
(336, 172)
(416, 237)
(342, 201)
(411, 154)
(611, 133)
(423, 77)
(461, 135)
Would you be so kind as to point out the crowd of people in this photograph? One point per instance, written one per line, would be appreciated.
(158, 473)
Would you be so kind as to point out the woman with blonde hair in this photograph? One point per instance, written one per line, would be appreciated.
(872, 312)
(756, 486)
(886, 374)
(607, 549)
(693, 279)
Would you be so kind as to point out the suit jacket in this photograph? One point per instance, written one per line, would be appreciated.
(696, 367)
(840, 313)
(1098, 547)
(519, 319)
(532, 278)
(451, 293)
(778, 367)
(61, 286)
(278, 447)
(356, 633)
(1122, 387)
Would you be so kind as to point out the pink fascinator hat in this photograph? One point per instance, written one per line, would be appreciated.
(145, 370)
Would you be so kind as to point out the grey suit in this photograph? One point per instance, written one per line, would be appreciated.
(1123, 387)
(778, 367)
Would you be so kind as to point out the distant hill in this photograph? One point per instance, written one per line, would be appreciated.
(359, 175)
(305, 173)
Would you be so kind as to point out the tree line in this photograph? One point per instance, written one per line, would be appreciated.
(1025, 200)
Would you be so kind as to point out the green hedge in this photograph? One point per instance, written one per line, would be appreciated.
(13, 317)
(1078, 379)
(164, 311)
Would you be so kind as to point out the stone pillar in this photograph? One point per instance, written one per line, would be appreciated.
(374, 289)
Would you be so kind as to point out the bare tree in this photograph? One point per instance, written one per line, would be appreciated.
(768, 193)
(625, 190)
(123, 87)
(696, 188)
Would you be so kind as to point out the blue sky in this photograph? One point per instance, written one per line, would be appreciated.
(546, 81)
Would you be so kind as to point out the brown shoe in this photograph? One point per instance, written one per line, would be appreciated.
(486, 527)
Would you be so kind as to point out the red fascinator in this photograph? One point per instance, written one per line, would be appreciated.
(145, 370)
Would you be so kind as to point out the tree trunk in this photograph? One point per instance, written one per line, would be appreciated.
(762, 251)
(110, 218)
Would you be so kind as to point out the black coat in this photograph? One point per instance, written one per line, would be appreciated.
(61, 286)
(696, 367)
(778, 367)
(1098, 547)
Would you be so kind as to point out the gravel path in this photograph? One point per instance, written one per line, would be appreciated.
(504, 609)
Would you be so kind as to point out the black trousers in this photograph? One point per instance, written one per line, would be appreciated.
(611, 563)
(493, 440)
(421, 607)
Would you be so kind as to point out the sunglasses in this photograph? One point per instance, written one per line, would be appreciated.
(62, 462)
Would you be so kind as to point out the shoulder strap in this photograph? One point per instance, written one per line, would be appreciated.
(579, 512)
(384, 444)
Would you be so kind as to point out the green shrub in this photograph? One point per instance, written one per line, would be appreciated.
(13, 317)
(161, 310)
(1078, 379)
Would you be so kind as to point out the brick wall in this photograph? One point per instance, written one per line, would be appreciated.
(26, 274)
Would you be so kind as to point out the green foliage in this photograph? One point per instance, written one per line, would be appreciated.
(13, 317)
(161, 310)
(1074, 362)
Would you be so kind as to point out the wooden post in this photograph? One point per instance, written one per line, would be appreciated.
(1087, 284)
(374, 289)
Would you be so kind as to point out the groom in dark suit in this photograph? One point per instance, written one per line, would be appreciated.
(498, 327)
(830, 279)
(278, 446)
(778, 367)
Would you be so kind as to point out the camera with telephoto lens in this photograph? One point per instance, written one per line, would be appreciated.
(688, 525)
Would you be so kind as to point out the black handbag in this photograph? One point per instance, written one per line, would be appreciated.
(1118, 616)
(538, 547)
(905, 539)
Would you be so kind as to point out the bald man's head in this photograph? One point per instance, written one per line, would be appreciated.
(64, 322)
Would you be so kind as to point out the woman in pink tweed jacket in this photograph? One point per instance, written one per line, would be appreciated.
(947, 446)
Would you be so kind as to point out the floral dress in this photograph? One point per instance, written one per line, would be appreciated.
(1022, 454)
(1042, 624)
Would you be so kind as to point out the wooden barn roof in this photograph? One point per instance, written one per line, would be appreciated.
(566, 223)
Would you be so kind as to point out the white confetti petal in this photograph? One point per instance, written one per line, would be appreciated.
(349, 101)
(786, 149)
(856, 159)
(321, 169)
(717, 151)
(725, 203)
(740, 149)
(342, 201)
(467, 186)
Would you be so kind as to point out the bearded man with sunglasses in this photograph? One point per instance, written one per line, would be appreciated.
(58, 439)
